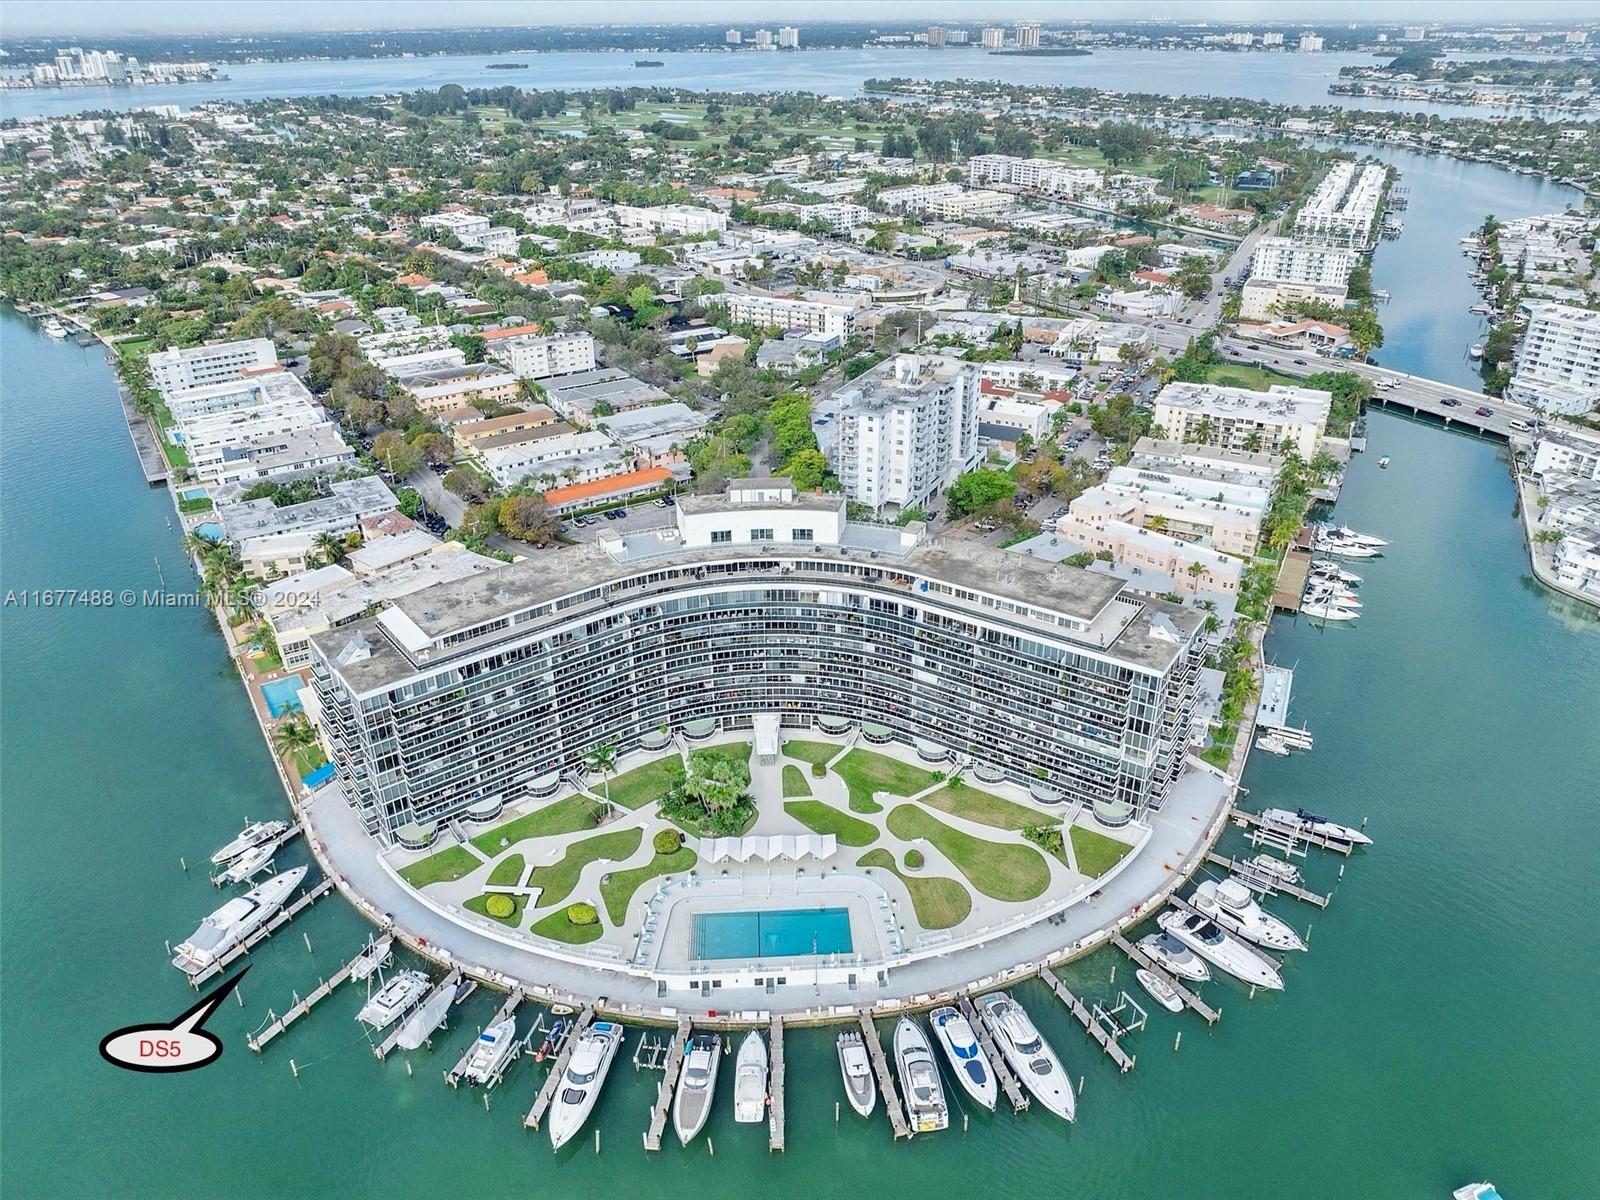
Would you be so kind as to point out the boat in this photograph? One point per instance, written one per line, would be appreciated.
(1477, 1191)
(247, 866)
(491, 1052)
(1344, 549)
(1272, 744)
(1162, 992)
(968, 1062)
(1329, 569)
(552, 1040)
(372, 956)
(1328, 612)
(254, 834)
(1274, 868)
(750, 1080)
(1384, 462)
(584, 1077)
(1221, 949)
(1475, 350)
(234, 921)
(1030, 1056)
(1173, 957)
(1345, 534)
(855, 1068)
(698, 1086)
(1328, 594)
(393, 999)
(648, 62)
(919, 1079)
(1233, 906)
(1481, 310)
(419, 1028)
(54, 328)
(1313, 823)
(464, 989)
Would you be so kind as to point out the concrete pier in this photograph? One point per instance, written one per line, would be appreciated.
(258, 1042)
(775, 1113)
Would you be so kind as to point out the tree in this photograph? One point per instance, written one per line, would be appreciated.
(470, 344)
(398, 457)
(529, 519)
(466, 483)
(293, 735)
(808, 468)
(979, 489)
(330, 547)
(602, 757)
(1193, 277)
(434, 447)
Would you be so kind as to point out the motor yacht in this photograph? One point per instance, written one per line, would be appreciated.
(491, 1051)
(1345, 534)
(372, 956)
(1162, 992)
(855, 1068)
(1333, 595)
(1326, 568)
(968, 1063)
(247, 866)
(234, 922)
(919, 1078)
(428, 1017)
(1274, 868)
(584, 1077)
(1344, 549)
(1329, 612)
(1173, 957)
(1271, 744)
(1221, 949)
(393, 999)
(1030, 1056)
(750, 1080)
(54, 328)
(1313, 823)
(253, 835)
(697, 1089)
(1233, 906)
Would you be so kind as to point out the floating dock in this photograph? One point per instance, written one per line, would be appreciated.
(880, 1067)
(1262, 882)
(669, 1083)
(382, 1048)
(997, 1061)
(547, 1090)
(283, 917)
(1277, 833)
(775, 1114)
(1103, 1036)
(454, 1074)
(1190, 999)
(258, 1041)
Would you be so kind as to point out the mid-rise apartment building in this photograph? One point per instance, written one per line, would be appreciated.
(905, 436)
(1035, 174)
(531, 356)
(1558, 363)
(944, 201)
(1241, 419)
(198, 366)
(1342, 208)
(832, 315)
(684, 220)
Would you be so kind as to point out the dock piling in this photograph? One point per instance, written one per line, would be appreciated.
(1106, 1040)
(669, 1080)
(1177, 1041)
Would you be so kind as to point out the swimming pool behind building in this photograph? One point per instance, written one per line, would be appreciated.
(783, 933)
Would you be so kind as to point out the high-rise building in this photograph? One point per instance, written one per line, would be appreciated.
(763, 39)
(1272, 39)
(1415, 33)
(1027, 35)
(789, 38)
(994, 37)
(1558, 363)
(906, 436)
(1310, 43)
(733, 37)
(956, 37)
(935, 37)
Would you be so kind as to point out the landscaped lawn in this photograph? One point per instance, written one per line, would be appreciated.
(564, 816)
(1005, 872)
(558, 928)
(508, 870)
(308, 758)
(985, 808)
(825, 818)
(476, 904)
(1096, 853)
(618, 888)
(642, 785)
(810, 752)
(1241, 375)
(865, 773)
(559, 878)
(794, 781)
(938, 902)
(740, 750)
(450, 863)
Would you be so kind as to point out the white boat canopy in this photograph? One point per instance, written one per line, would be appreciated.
(792, 847)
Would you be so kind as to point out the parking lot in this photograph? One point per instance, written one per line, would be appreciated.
(640, 517)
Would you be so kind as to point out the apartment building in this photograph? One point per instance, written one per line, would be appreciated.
(1163, 503)
(199, 366)
(944, 201)
(447, 388)
(471, 437)
(1035, 174)
(1290, 270)
(1557, 366)
(531, 356)
(1342, 208)
(1153, 561)
(906, 435)
(472, 230)
(1240, 419)
(572, 457)
(832, 315)
(683, 220)
(1570, 452)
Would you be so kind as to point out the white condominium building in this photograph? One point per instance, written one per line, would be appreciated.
(943, 201)
(257, 391)
(534, 357)
(683, 219)
(1558, 363)
(1036, 174)
(905, 437)
(1342, 208)
(994, 37)
(814, 316)
(472, 230)
(1295, 261)
(788, 37)
(1240, 419)
(587, 456)
(1574, 452)
(175, 369)
(1027, 35)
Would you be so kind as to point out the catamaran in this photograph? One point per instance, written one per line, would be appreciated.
(489, 1054)
(254, 834)
(1030, 1056)
(1313, 823)
(750, 1080)
(968, 1062)
(855, 1068)
(698, 1087)
(919, 1078)
(372, 956)
(235, 921)
(393, 999)
(1220, 948)
(1233, 906)
(1162, 992)
(419, 1028)
(1173, 957)
(585, 1076)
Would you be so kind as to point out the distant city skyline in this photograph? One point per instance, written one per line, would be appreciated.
(89, 19)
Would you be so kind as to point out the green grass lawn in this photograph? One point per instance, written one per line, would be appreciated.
(642, 785)
(810, 752)
(1005, 872)
(618, 888)
(740, 750)
(1096, 853)
(564, 816)
(560, 877)
(1241, 375)
(477, 903)
(987, 809)
(508, 870)
(557, 928)
(450, 863)
(865, 772)
(308, 758)
(135, 347)
(938, 902)
(794, 782)
(825, 818)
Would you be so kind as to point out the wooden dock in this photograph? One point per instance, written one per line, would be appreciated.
(1292, 833)
(1291, 583)
(997, 1061)
(1262, 882)
(1103, 1036)
(669, 1085)
(1190, 999)
(775, 1113)
(454, 1074)
(284, 916)
(258, 1041)
(880, 1067)
(151, 461)
(382, 1048)
(552, 1081)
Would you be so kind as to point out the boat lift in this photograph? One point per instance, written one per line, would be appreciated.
(651, 1051)
(1111, 1017)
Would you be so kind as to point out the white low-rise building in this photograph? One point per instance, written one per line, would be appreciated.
(1569, 452)
(834, 315)
(588, 456)
(532, 356)
(200, 366)
(684, 220)
(1241, 419)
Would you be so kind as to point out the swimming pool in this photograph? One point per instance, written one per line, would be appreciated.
(209, 530)
(784, 933)
(283, 695)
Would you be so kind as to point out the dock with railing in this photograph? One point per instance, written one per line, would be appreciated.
(258, 1041)
(775, 1114)
(1260, 881)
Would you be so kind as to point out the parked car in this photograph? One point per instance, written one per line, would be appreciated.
(661, 501)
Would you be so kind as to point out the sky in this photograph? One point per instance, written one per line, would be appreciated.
(89, 19)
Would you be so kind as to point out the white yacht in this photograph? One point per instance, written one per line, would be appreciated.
(697, 1089)
(919, 1078)
(1383, 462)
(54, 328)
(254, 834)
(1030, 1055)
(855, 1068)
(1335, 596)
(1274, 868)
(247, 866)
(393, 999)
(1329, 611)
(1233, 906)
(1475, 350)
(584, 1077)
(1344, 549)
(968, 1063)
(1326, 568)
(750, 1080)
(373, 955)
(1162, 992)
(428, 1017)
(235, 921)
(1312, 823)
(1221, 949)
(489, 1054)
(1173, 957)
(1344, 533)
(1272, 744)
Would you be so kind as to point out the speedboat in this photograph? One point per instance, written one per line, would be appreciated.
(1313, 823)
(1476, 1191)
(1274, 868)
(1220, 948)
(1384, 461)
(1272, 744)
(1326, 568)
(393, 999)
(55, 328)
(1162, 992)
(247, 866)
(372, 956)
(552, 1040)
(750, 1080)
(1233, 906)
(585, 1076)
(235, 921)
(1345, 534)
(1334, 596)
(1030, 1056)
(698, 1087)
(491, 1051)
(1345, 549)
(855, 1068)
(919, 1078)
(968, 1062)
(255, 833)
(1329, 612)
(1475, 350)
(1173, 957)
(426, 1019)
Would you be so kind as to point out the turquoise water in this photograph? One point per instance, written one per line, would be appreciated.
(282, 695)
(785, 933)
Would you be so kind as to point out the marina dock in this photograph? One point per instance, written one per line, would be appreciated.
(151, 461)
(285, 915)
(1103, 1036)
(1190, 1000)
(1249, 946)
(880, 1067)
(1260, 882)
(454, 1074)
(258, 1041)
(997, 1061)
(382, 1048)
(775, 1114)
(552, 1081)
(669, 1085)
(1291, 585)
(1275, 834)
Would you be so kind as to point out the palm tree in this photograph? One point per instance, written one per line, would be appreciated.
(294, 735)
(331, 547)
(602, 757)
